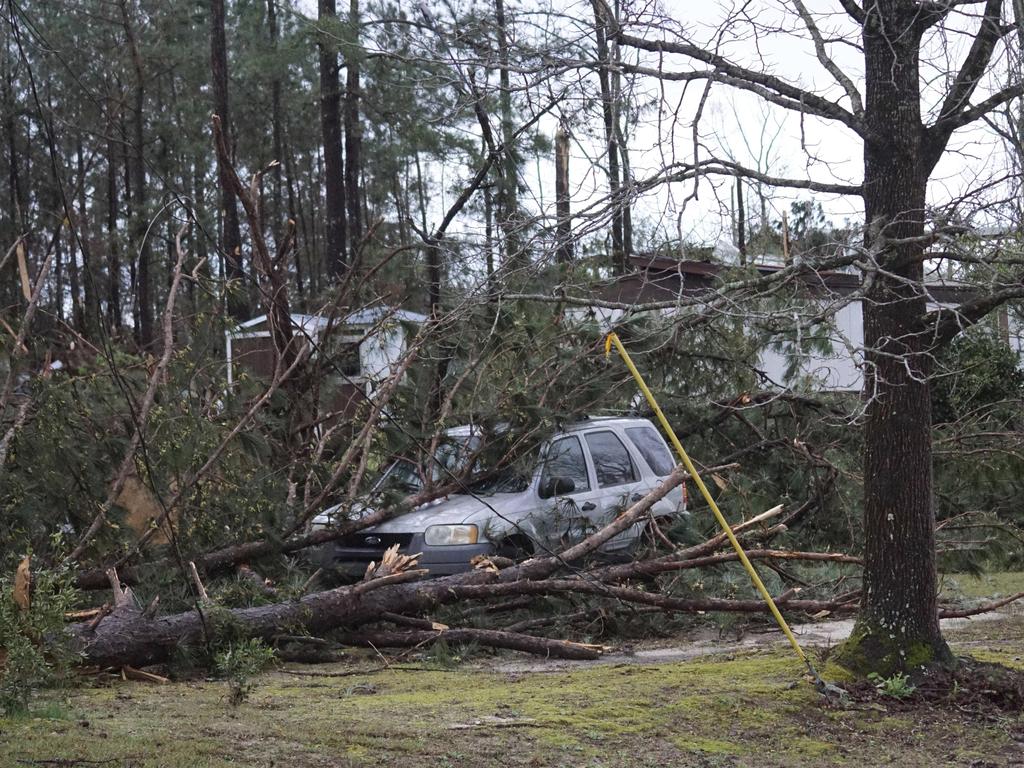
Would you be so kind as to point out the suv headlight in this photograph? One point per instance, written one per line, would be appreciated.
(449, 535)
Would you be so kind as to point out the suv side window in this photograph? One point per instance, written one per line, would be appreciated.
(565, 459)
(611, 459)
(649, 443)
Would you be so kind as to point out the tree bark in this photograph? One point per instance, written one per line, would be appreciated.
(17, 196)
(92, 304)
(295, 214)
(563, 212)
(625, 208)
(114, 252)
(741, 223)
(335, 255)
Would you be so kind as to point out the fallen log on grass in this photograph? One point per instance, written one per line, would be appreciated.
(127, 636)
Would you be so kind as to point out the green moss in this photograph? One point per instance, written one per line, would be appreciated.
(919, 654)
(833, 673)
(871, 649)
(989, 585)
(1008, 658)
(807, 747)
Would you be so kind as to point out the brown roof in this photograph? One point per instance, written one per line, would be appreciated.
(661, 278)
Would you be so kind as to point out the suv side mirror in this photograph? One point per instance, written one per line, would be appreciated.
(557, 486)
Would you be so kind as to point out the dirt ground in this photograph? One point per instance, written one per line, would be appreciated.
(681, 702)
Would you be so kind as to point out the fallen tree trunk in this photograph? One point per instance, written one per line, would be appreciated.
(626, 594)
(127, 636)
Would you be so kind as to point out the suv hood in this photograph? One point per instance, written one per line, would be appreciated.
(451, 510)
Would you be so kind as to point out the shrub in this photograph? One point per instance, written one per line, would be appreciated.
(33, 649)
(238, 662)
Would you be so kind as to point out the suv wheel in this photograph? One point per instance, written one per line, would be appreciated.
(516, 548)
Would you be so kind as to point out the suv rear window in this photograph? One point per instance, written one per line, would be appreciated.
(611, 459)
(651, 447)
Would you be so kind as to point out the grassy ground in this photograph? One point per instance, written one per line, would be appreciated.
(986, 586)
(743, 710)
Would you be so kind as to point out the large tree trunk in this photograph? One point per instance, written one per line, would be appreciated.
(231, 238)
(143, 313)
(92, 303)
(618, 260)
(508, 188)
(114, 318)
(353, 131)
(140, 226)
(330, 125)
(898, 626)
(563, 212)
(16, 199)
(275, 112)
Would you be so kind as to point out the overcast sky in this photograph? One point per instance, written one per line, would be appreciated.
(762, 34)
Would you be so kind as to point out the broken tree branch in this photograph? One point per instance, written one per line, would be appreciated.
(492, 638)
(948, 613)
(140, 417)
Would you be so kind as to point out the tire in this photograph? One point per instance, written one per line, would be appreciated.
(517, 547)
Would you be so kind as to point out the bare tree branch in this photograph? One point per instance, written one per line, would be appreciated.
(856, 102)
(743, 77)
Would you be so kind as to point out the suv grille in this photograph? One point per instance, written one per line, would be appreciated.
(377, 542)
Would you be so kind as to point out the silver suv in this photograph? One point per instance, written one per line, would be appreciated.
(585, 476)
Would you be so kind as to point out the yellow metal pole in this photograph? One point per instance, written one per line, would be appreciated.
(613, 339)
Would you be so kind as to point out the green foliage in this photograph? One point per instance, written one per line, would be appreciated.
(895, 686)
(59, 471)
(33, 649)
(238, 662)
(977, 395)
(978, 375)
(442, 655)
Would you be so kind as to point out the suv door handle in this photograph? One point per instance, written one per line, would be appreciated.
(636, 497)
(588, 506)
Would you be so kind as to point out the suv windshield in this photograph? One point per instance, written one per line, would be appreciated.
(401, 475)
(506, 480)
(449, 462)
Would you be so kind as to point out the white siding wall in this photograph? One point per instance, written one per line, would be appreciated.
(380, 351)
(1015, 332)
(838, 370)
